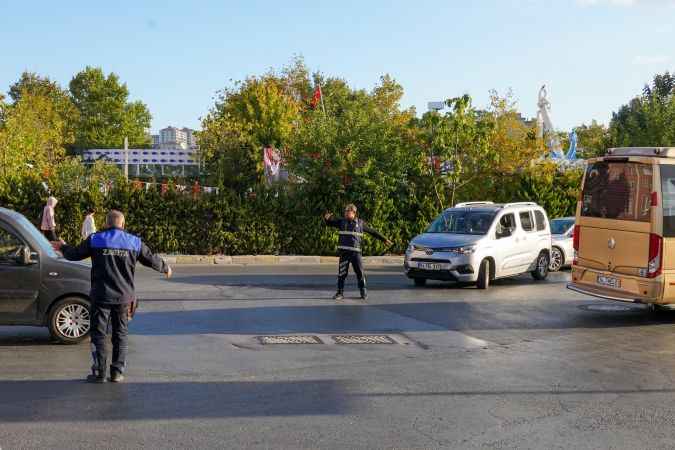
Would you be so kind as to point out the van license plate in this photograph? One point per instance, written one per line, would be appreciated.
(430, 266)
(609, 281)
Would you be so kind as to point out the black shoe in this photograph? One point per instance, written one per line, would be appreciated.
(96, 377)
(116, 377)
(364, 294)
(338, 296)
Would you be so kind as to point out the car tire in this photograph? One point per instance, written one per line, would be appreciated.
(420, 282)
(70, 320)
(557, 260)
(483, 281)
(540, 271)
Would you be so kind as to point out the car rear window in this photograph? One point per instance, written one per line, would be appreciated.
(668, 195)
(617, 190)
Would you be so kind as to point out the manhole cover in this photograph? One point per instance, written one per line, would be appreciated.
(302, 339)
(610, 308)
(363, 339)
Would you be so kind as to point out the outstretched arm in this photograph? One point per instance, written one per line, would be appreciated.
(149, 259)
(331, 220)
(72, 252)
(376, 234)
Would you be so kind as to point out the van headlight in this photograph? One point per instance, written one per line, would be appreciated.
(464, 250)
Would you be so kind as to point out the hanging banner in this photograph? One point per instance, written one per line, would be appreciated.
(272, 162)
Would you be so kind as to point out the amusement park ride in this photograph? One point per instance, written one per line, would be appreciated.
(546, 130)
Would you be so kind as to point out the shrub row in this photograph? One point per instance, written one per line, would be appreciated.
(283, 220)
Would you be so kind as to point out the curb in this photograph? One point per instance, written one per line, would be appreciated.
(265, 260)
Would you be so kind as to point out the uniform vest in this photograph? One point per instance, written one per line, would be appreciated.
(351, 232)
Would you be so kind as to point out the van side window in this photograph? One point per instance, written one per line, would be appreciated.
(506, 226)
(539, 219)
(526, 220)
(668, 196)
(10, 245)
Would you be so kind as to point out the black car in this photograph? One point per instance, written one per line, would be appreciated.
(37, 286)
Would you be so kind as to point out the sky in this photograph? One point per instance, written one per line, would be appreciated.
(593, 55)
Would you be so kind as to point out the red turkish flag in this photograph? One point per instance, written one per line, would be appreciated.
(317, 97)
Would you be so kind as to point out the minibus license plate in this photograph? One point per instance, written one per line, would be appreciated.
(430, 266)
(609, 281)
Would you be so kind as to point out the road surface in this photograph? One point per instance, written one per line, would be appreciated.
(524, 365)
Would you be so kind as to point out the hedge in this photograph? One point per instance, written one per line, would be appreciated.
(282, 220)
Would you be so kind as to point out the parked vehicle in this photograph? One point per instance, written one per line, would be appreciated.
(624, 235)
(37, 287)
(478, 242)
(562, 248)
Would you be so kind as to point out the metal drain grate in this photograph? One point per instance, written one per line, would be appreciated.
(363, 339)
(297, 339)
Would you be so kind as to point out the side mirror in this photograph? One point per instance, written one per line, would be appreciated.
(25, 256)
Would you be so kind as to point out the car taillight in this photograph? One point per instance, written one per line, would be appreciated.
(576, 235)
(655, 255)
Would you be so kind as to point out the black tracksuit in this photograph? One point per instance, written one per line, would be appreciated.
(349, 248)
(114, 254)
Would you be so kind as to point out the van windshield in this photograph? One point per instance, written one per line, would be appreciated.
(462, 222)
(617, 190)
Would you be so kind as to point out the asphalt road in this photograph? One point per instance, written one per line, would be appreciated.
(524, 365)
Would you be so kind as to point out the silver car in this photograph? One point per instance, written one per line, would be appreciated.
(562, 247)
(478, 242)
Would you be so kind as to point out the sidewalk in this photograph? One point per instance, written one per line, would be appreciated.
(264, 260)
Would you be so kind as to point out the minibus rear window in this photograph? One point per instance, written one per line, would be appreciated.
(668, 195)
(617, 190)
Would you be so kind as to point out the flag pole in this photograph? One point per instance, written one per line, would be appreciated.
(323, 106)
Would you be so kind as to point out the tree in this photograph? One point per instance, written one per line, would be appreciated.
(32, 134)
(36, 85)
(106, 115)
(256, 113)
(649, 119)
(592, 140)
(513, 139)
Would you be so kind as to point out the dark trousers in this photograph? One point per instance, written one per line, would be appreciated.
(50, 235)
(353, 258)
(113, 317)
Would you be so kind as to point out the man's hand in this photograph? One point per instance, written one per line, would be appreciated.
(169, 272)
(56, 245)
(388, 243)
(327, 215)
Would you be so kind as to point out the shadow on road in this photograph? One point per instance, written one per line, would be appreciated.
(403, 317)
(75, 400)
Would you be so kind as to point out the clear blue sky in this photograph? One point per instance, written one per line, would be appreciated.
(593, 54)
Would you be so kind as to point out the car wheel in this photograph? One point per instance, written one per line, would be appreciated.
(420, 281)
(483, 281)
(70, 320)
(557, 260)
(540, 272)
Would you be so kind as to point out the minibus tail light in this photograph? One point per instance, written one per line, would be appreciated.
(654, 199)
(655, 256)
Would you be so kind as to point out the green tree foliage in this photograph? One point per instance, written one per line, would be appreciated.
(255, 113)
(36, 85)
(106, 114)
(33, 134)
(649, 119)
(592, 140)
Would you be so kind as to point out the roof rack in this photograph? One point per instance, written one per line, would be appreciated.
(508, 205)
(667, 152)
(470, 204)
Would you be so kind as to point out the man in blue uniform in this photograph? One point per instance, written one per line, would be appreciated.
(351, 230)
(113, 254)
